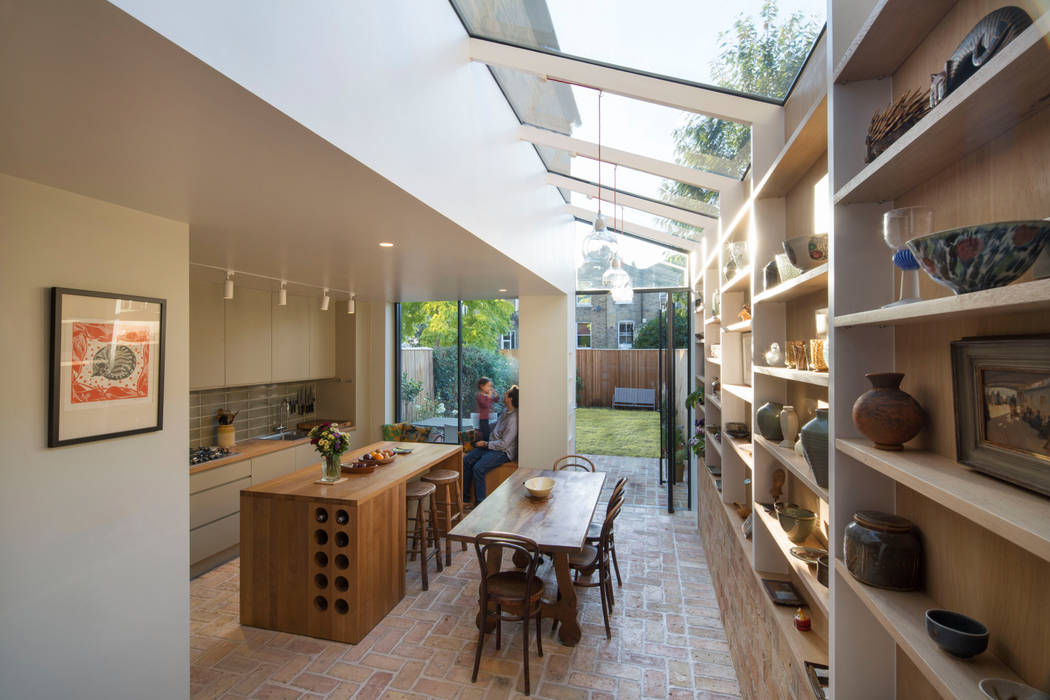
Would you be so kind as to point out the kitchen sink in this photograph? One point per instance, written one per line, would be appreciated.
(286, 435)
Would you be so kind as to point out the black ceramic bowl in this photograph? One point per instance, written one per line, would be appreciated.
(955, 633)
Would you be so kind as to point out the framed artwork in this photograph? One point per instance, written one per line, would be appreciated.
(1002, 407)
(107, 366)
(820, 679)
(782, 592)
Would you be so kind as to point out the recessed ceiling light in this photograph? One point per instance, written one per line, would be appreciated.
(384, 244)
(503, 290)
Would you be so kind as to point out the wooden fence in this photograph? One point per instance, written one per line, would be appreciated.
(601, 371)
(418, 364)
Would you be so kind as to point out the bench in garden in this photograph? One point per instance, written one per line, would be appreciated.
(634, 398)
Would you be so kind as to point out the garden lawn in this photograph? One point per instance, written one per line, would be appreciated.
(618, 432)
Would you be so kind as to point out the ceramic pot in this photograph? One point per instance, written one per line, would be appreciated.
(888, 416)
(225, 436)
(768, 419)
(770, 275)
(822, 570)
(774, 356)
(788, 426)
(815, 446)
(883, 550)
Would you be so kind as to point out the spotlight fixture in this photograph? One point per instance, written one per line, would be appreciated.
(386, 244)
(503, 290)
(325, 300)
(227, 289)
(282, 295)
(351, 305)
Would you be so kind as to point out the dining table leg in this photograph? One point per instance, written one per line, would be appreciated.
(564, 609)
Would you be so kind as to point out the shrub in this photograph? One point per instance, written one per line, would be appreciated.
(477, 363)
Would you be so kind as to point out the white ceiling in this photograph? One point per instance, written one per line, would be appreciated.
(96, 103)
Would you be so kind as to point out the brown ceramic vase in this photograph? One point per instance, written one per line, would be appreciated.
(888, 416)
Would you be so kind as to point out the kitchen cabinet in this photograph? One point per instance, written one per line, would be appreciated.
(247, 321)
(306, 456)
(215, 512)
(207, 336)
(273, 465)
(322, 343)
(290, 335)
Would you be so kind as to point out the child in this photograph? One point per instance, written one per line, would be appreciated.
(486, 396)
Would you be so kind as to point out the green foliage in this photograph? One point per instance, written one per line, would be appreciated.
(696, 398)
(434, 323)
(649, 335)
(477, 362)
(410, 388)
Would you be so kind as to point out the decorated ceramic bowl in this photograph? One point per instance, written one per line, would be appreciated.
(973, 258)
(806, 252)
(1002, 689)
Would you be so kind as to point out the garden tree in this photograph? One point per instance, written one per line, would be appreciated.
(434, 324)
(649, 335)
(758, 57)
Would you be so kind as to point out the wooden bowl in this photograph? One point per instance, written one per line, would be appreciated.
(539, 486)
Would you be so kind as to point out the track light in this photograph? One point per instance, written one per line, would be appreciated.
(351, 305)
(325, 300)
(282, 295)
(227, 289)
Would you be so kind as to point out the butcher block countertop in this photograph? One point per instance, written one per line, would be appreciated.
(358, 487)
(254, 447)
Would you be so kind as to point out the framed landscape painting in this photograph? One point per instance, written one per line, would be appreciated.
(1002, 407)
(107, 366)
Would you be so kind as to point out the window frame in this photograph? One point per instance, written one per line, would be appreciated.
(620, 332)
(589, 335)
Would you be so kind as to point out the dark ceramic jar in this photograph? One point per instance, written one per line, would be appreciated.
(768, 419)
(888, 416)
(883, 550)
(815, 446)
(771, 275)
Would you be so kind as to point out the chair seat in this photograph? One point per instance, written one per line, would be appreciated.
(441, 476)
(419, 489)
(583, 558)
(510, 586)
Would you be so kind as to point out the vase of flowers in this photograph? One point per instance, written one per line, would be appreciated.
(331, 443)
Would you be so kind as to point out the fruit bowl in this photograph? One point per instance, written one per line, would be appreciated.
(378, 457)
(973, 258)
(539, 486)
(807, 252)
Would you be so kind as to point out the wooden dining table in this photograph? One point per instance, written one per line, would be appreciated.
(558, 525)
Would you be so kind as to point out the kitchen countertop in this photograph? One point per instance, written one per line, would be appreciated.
(255, 447)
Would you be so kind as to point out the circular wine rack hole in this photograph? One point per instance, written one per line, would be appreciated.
(321, 514)
(321, 603)
(342, 561)
(342, 517)
(342, 539)
(341, 584)
(320, 537)
(321, 580)
(321, 558)
(341, 607)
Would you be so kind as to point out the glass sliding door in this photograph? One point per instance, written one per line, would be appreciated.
(489, 351)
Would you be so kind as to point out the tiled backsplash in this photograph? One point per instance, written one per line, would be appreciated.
(259, 406)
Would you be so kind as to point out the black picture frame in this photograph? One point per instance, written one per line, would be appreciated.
(782, 592)
(59, 372)
(1004, 364)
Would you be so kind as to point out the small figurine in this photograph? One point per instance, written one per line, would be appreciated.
(802, 621)
(745, 313)
(774, 356)
(778, 484)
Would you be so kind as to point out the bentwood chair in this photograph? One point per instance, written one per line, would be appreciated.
(515, 592)
(574, 462)
(595, 558)
(594, 531)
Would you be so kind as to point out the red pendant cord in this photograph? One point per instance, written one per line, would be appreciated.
(600, 156)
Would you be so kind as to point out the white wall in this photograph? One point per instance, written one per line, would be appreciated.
(546, 374)
(374, 367)
(94, 552)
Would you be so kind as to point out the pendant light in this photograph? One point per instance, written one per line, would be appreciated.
(351, 305)
(282, 295)
(616, 278)
(325, 300)
(227, 288)
(600, 243)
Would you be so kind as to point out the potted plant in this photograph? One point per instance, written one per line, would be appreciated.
(331, 443)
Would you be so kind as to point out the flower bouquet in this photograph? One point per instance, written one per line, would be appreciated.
(331, 443)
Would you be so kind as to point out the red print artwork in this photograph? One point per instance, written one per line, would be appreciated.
(110, 362)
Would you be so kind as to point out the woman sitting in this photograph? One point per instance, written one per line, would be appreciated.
(501, 448)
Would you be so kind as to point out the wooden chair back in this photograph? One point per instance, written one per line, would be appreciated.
(574, 462)
(486, 541)
(611, 514)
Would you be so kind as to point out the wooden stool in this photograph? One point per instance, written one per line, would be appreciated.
(418, 492)
(449, 497)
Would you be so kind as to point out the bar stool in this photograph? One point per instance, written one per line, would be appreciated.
(422, 494)
(449, 496)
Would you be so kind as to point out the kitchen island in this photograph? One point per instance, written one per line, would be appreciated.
(328, 561)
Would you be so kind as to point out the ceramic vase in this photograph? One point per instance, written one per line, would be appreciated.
(788, 426)
(888, 416)
(815, 446)
(768, 419)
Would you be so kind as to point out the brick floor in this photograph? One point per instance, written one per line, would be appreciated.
(667, 638)
(644, 487)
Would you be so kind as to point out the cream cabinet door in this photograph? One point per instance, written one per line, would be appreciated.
(306, 456)
(207, 336)
(270, 466)
(248, 337)
(290, 339)
(322, 343)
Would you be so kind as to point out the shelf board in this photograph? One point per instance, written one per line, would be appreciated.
(714, 401)
(1016, 515)
(793, 375)
(1026, 296)
(1005, 91)
(715, 360)
(712, 320)
(739, 327)
(801, 151)
(739, 281)
(888, 36)
(805, 646)
(903, 615)
(710, 441)
(808, 282)
(818, 594)
(740, 391)
(743, 449)
(794, 464)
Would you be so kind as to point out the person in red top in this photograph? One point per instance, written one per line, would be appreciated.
(486, 396)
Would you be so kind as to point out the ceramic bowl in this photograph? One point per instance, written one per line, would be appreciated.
(806, 252)
(1002, 689)
(797, 522)
(973, 258)
(823, 564)
(955, 633)
(539, 486)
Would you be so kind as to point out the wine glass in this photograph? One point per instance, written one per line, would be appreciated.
(898, 227)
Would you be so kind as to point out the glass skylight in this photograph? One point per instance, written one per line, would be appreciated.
(679, 39)
(636, 216)
(649, 265)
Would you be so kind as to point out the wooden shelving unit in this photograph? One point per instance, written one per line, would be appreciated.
(714, 360)
(739, 281)
(806, 283)
(739, 327)
(741, 391)
(794, 375)
(743, 450)
(808, 142)
(816, 594)
(794, 464)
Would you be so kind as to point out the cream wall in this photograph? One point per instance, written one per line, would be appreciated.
(94, 590)
(546, 373)
(374, 361)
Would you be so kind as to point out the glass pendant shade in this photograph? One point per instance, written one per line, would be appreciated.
(600, 242)
(622, 295)
(616, 277)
